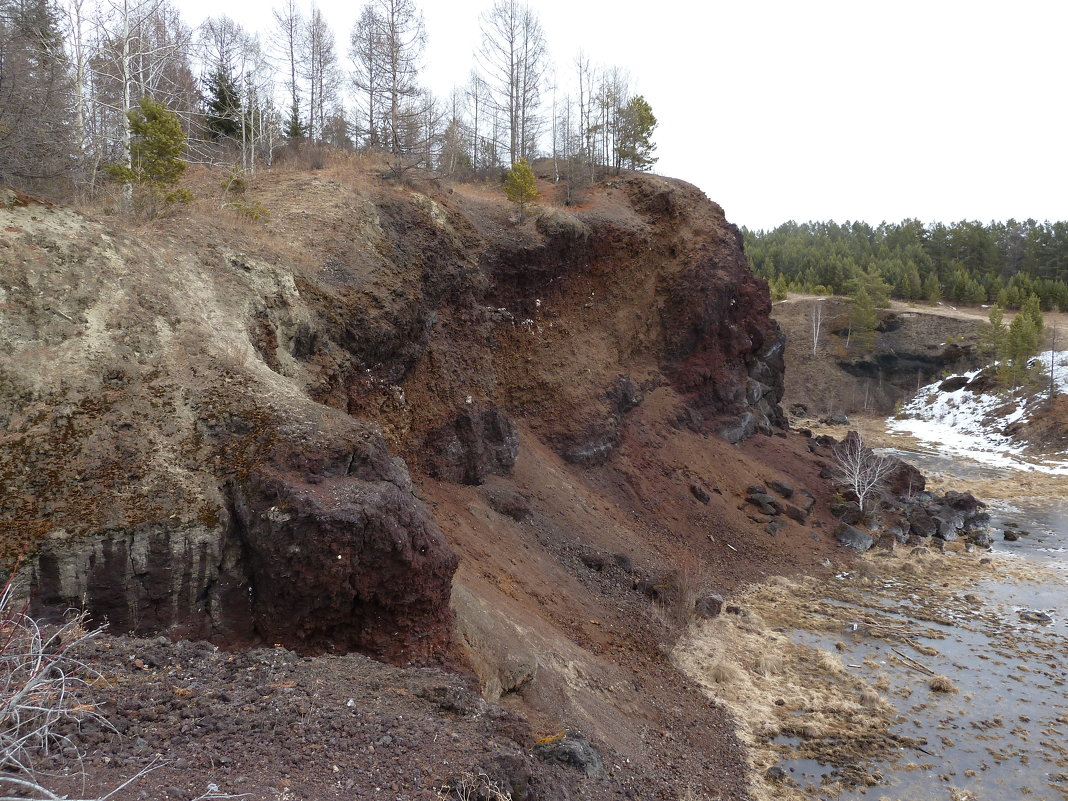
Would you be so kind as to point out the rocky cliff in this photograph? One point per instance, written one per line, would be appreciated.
(394, 419)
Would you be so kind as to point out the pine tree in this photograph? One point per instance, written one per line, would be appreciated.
(222, 105)
(634, 146)
(155, 155)
(1032, 307)
(520, 187)
(993, 334)
(1022, 342)
(862, 323)
(932, 290)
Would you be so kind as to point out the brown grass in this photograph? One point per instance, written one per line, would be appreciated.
(775, 686)
(941, 684)
(724, 672)
(768, 665)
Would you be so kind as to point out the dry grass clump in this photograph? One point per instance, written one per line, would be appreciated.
(941, 684)
(724, 672)
(912, 567)
(828, 663)
(870, 699)
(768, 665)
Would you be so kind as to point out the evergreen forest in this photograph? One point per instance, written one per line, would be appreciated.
(964, 262)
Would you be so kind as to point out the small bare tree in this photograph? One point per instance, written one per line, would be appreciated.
(858, 468)
(815, 318)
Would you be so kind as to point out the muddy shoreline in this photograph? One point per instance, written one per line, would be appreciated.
(912, 673)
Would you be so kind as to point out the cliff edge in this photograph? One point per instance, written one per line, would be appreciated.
(396, 420)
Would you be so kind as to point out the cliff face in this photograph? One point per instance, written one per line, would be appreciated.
(294, 432)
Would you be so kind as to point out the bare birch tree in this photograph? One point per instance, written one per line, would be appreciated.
(858, 468)
(815, 319)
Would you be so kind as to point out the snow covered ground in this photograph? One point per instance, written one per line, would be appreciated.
(961, 423)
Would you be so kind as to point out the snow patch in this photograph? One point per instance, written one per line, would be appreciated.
(963, 423)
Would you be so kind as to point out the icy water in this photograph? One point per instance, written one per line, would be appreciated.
(1004, 645)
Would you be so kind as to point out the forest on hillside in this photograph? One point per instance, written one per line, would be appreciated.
(73, 71)
(963, 262)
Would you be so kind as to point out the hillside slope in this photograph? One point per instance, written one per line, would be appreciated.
(394, 420)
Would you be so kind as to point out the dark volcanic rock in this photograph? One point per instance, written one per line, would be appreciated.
(719, 332)
(336, 555)
(836, 420)
(708, 606)
(765, 503)
(963, 502)
(480, 441)
(905, 480)
(572, 750)
(848, 512)
(509, 502)
(855, 538)
(921, 523)
(624, 395)
(953, 383)
(783, 488)
(742, 427)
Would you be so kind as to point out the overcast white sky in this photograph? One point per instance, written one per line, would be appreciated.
(811, 109)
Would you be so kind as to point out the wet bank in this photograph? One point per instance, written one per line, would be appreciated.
(913, 674)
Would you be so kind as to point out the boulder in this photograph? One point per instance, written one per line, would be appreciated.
(948, 523)
(848, 512)
(742, 427)
(338, 555)
(509, 502)
(963, 502)
(856, 538)
(981, 537)
(573, 750)
(782, 488)
(700, 493)
(904, 481)
(765, 503)
(953, 383)
(921, 524)
(479, 441)
(708, 606)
